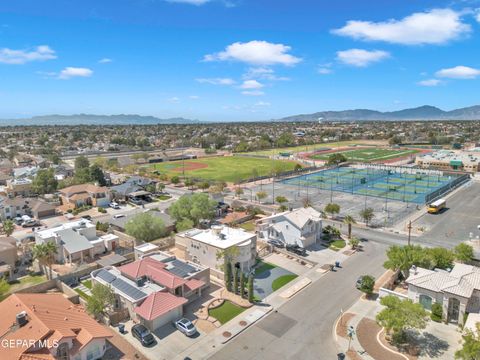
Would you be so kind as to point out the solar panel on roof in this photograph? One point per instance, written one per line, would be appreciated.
(179, 272)
(128, 289)
(184, 266)
(106, 276)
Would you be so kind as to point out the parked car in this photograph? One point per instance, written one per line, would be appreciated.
(136, 201)
(114, 205)
(87, 217)
(358, 284)
(142, 334)
(185, 326)
(276, 243)
(30, 223)
(296, 249)
(18, 220)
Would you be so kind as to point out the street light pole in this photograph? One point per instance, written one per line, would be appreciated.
(409, 231)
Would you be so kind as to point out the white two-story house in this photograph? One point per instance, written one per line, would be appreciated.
(301, 226)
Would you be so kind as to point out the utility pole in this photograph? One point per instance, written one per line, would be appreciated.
(409, 227)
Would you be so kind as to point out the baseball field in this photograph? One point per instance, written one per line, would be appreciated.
(366, 154)
(224, 168)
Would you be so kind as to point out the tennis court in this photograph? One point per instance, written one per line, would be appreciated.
(401, 184)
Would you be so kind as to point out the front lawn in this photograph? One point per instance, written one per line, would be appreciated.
(282, 281)
(226, 312)
(248, 226)
(337, 245)
(163, 197)
(263, 266)
(82, 294)
(88, 284)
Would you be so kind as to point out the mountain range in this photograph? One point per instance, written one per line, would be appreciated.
(89, 119)
(425, 112)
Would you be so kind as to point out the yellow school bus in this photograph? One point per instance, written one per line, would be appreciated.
(437, 206)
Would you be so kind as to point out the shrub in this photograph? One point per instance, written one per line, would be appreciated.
(437, 312)
(101, 210)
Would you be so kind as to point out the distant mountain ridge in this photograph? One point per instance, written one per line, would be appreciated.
(425, 112)
(91, 119)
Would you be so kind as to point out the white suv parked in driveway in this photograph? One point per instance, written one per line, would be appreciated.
(114, 205)
(185, 326)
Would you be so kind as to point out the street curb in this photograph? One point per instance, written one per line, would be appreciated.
(246, 327)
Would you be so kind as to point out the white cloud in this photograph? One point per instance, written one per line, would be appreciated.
(253, 93)
(264, 73)
(40, 53)
(70, 72)
(251, 84)
(458, 72)
(437, 26)
(256, 53)
(360, 57)
(429, 82)
(194, 97)
(191, 2)
(262, 104)
(324, 71)
(216, 81)
(173, 100)
(105, 61)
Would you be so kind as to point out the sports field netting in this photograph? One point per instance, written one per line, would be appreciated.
(383, 183)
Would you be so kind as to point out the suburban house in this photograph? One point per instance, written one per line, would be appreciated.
(153, 290)
(8, 256)
(85, 194)
(33, 207)
(204, 246)
(130, 187)
(51, 327)
(63, 171)
(77, 241)
(302, 227)
(119, 220)
(19, 187)
(458, 291)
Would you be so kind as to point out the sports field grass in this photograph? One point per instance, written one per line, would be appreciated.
(301, 148)
(224, 168)
(367, 155)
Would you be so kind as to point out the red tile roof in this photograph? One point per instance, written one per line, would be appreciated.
(50, 316)
(153, 269)
(158, 304)
(194, 284)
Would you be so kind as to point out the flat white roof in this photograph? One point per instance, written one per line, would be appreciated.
(51, 232)
(146, 247)
(222, 237)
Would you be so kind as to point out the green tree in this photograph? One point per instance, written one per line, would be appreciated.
(440, 257)
(175, 180)
(227, 274)
(367, 284)
(238, 191)
(204, 185)
(332, 208)
(336, 158)
(235, 280)
(261, 195)
(349, 220)
(281, 199)
(250, 288)
(146, 227)
(463, 253)
(195, 207)
(102, 298)
(97, 175)
(367, 215)
(403, 257)
(8, 227)
(400, 315)
(471, 345)
(83, 175)
(354, 242)
(242, 284)
(184, 225)
(45, 182)
(45, 255)
(81, 162)
(437, 312)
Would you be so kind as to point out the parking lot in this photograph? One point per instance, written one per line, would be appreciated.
(457, 222)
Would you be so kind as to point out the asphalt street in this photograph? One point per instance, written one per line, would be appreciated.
(302, 328)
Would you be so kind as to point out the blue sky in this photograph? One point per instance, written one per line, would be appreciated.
(226, 60)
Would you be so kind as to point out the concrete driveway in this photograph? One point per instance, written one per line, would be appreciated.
(262, 285)
(284, 262)
(170, 342)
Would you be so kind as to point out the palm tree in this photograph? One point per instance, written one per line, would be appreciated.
(8, 227)
(44, 253)
(349, 220)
